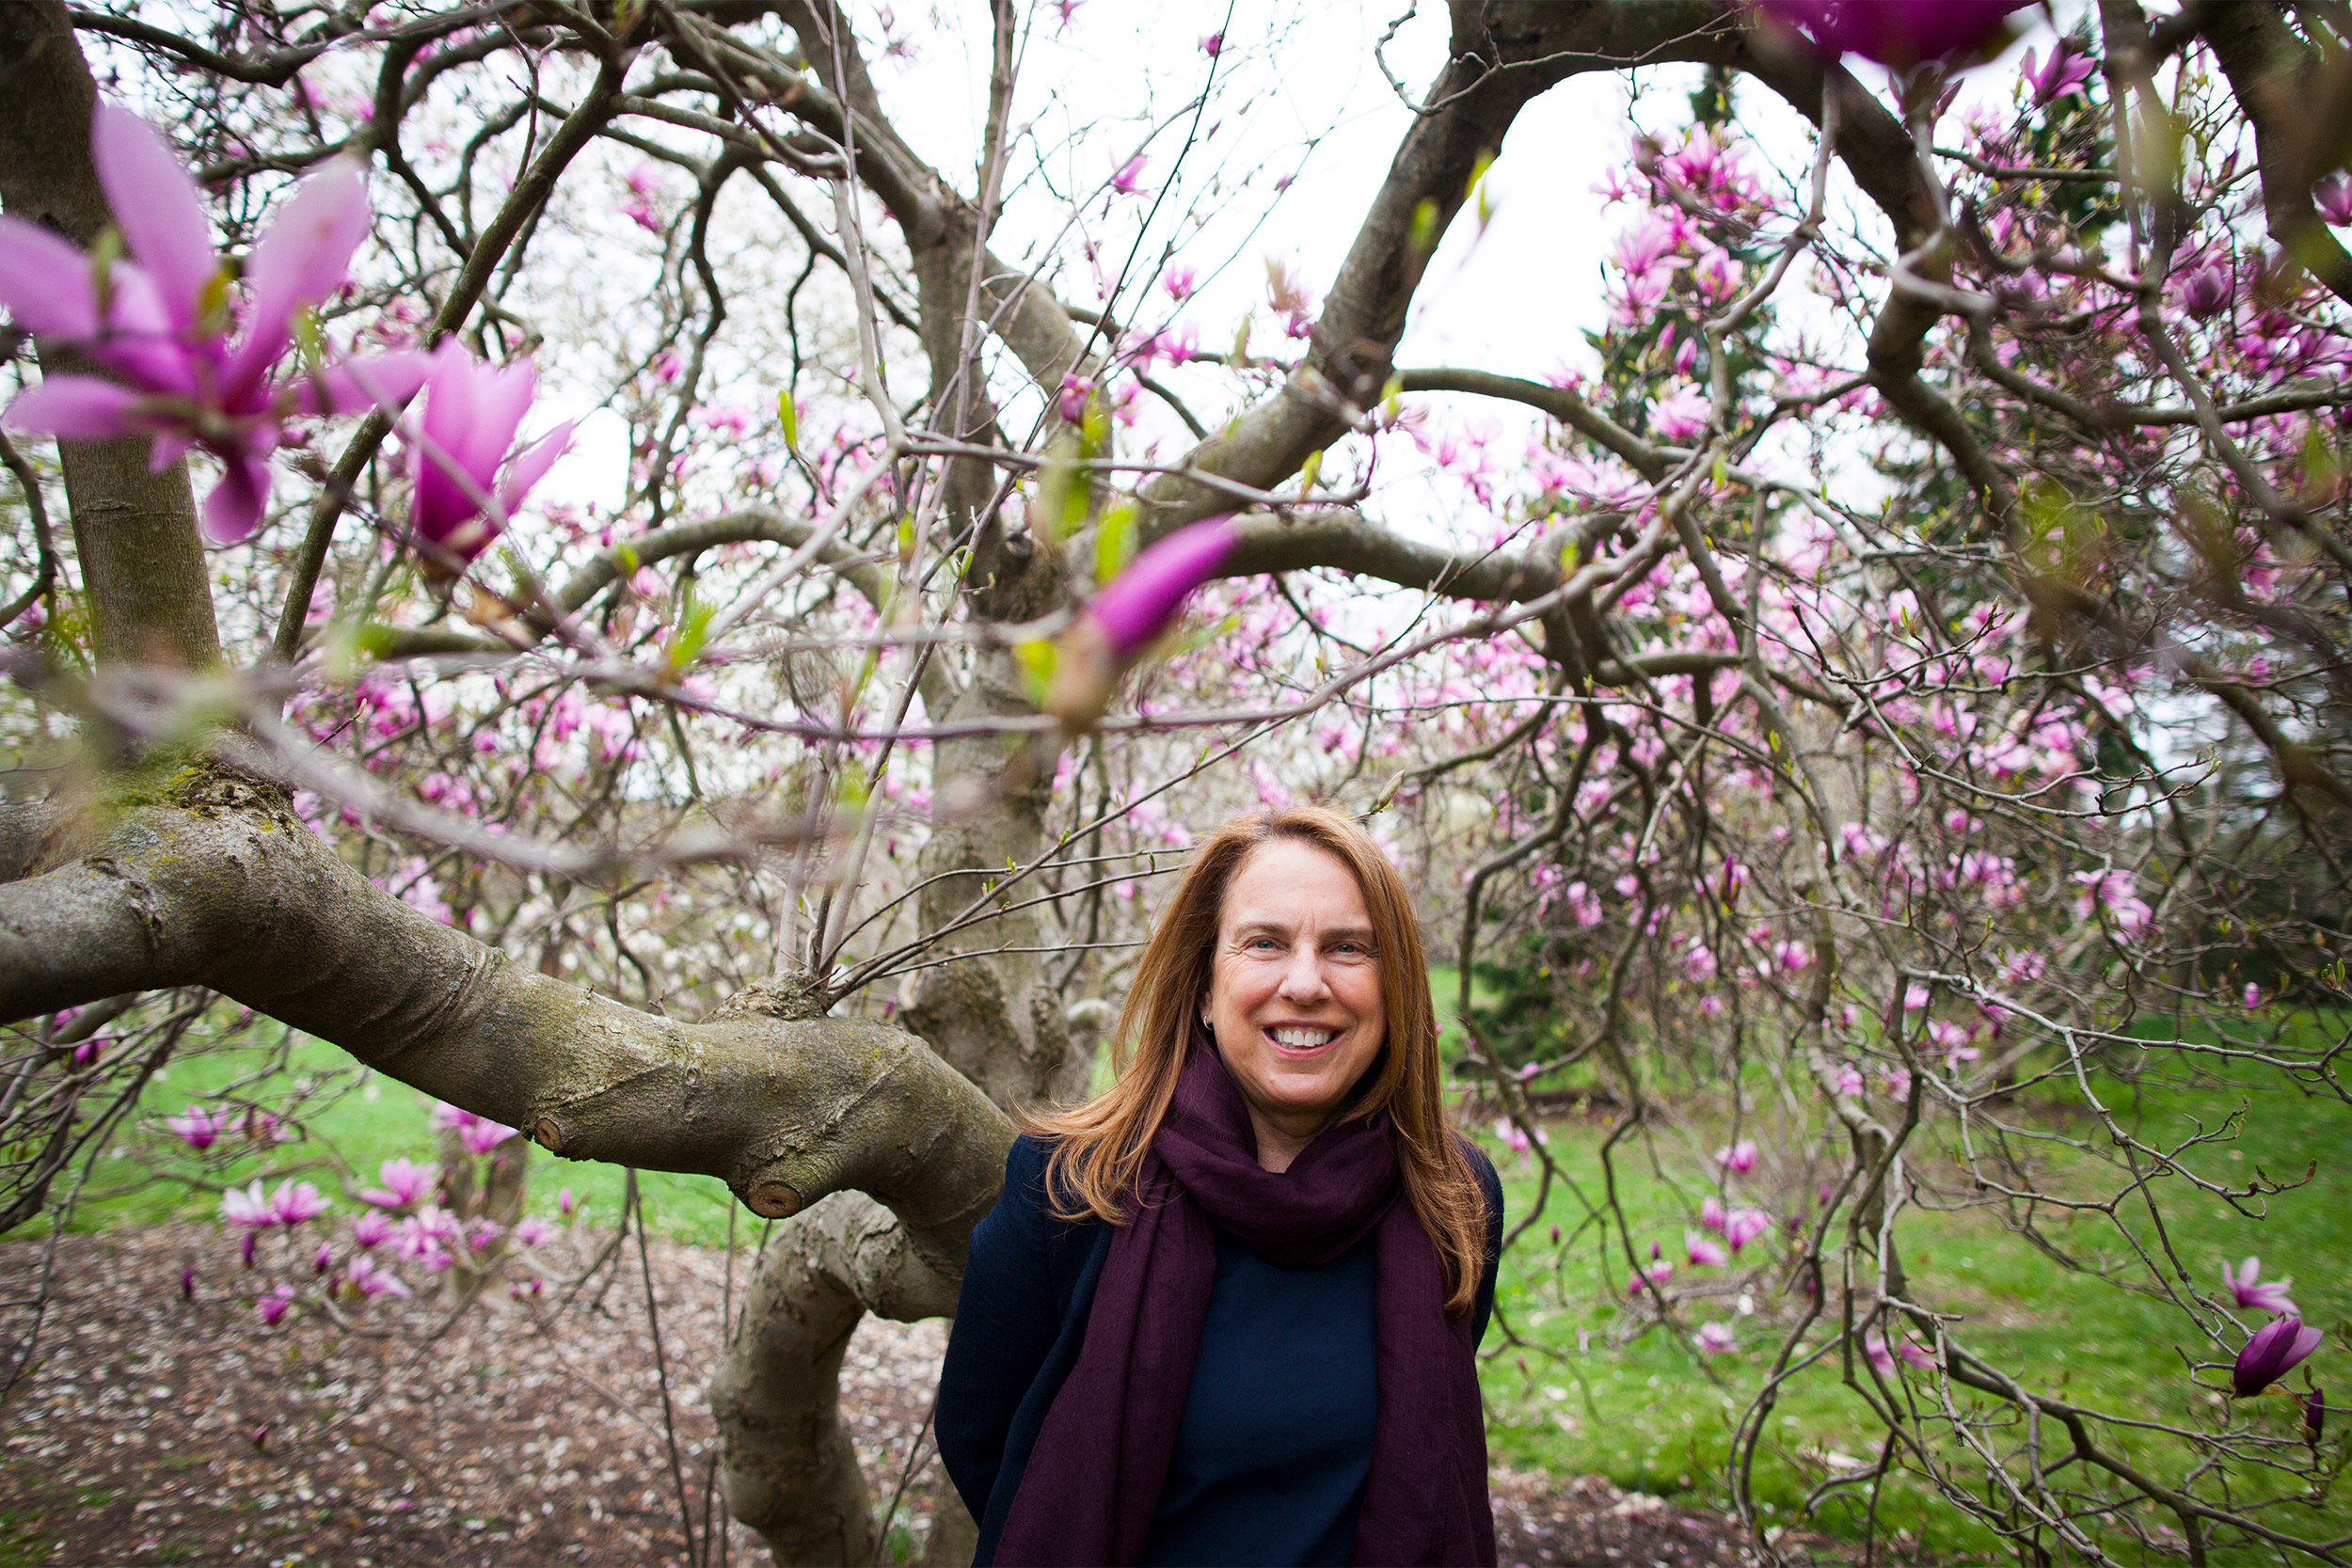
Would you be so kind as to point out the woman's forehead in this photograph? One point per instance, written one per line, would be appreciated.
(1291, 885)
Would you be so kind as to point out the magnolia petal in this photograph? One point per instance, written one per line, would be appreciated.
(1138, 604)
(386, 380)
(157, 207)
(1899, 33)
(169, 447)
(234, 508)
(530, 465)
(44, 281)
(502, 396)
(470, 414)
(302, 259)
(75, 408)
(138, 339)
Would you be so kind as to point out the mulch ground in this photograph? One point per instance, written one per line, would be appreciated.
(155, 1427)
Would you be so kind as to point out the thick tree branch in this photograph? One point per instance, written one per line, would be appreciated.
(219, 886)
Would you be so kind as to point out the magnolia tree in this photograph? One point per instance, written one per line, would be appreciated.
(1880, 713)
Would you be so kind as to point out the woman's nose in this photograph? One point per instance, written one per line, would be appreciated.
(1302, 977)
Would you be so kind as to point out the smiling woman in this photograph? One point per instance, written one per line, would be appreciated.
(1228, 1311)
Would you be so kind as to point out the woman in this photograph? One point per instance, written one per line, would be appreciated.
(1227, 1312)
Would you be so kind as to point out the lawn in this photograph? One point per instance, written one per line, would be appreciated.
(1576, 1395)
(347, 1120)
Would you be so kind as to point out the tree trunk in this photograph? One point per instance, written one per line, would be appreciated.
(134, 530)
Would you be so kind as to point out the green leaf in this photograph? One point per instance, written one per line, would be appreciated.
(1115, 546)
(1061, 490)
(1309, 471)
(693, 628)
(788, 418)
(1038, 658)
(1425, 234)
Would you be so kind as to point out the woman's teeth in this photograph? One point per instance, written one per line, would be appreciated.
(1304, 1039)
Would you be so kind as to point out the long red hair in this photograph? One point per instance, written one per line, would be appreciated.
(1097, 1147)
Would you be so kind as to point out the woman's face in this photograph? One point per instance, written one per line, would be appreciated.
(1294, 994)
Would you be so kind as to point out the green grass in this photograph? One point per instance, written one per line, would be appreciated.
(1651, 1416)
(347, 1122)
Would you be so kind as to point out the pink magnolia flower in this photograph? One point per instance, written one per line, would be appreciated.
(294, 1202)
(1654, 1274)
(2333, 197)
(1512, 1139)
(1742, 1225)
(565, 1202)
(2207, 291)
(2275, 1350)
(1713, 1213)
(1792, 955)
(1129, 173)
(2250, 998)
(1680, 415)
(1180, 282)
(479, 1133)
(1884, 1358)
(1951, 1040)
(246, 1209)
(1703, 1251)
(2067, 69)
(1738, 1157)
(405, 1183)
(482, 1232)
(531, 1230)
(2117, 892)
(1070, 403)
(1899, 33)
(425, 1235)
(373, 1230)
(1130, 612)
(1212, 45)
(1716, 1338)
(197, 1127)
(272, 1306)
(365, 1277)
(2252, 1292)
(484, 1134)
(468, 484)
(162, 324)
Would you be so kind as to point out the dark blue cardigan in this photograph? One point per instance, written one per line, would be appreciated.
(1027, 1289)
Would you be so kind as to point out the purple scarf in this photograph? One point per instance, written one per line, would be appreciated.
(1094, 1477)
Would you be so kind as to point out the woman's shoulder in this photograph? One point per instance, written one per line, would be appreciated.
(1029, 1173)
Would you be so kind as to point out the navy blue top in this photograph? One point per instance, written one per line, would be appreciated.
(1276, 1437)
